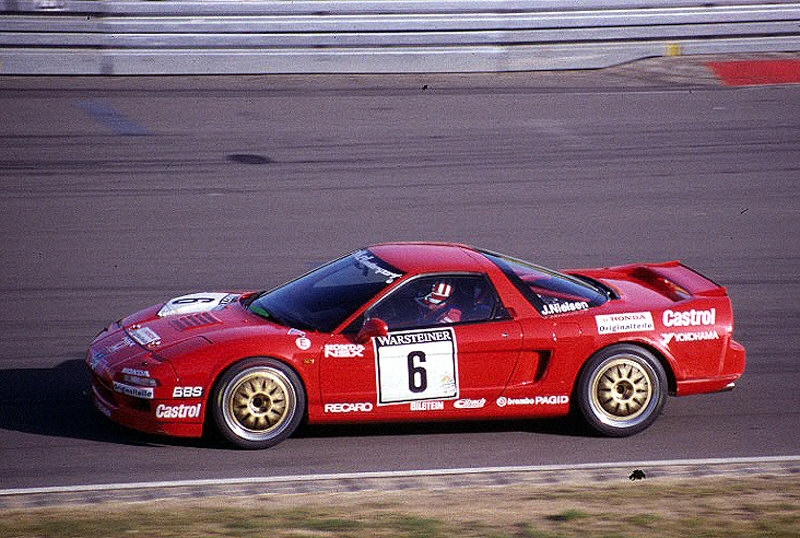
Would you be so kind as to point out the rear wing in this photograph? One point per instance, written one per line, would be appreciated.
(673, 279)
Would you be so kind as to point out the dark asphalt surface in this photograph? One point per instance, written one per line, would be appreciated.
(118, 193)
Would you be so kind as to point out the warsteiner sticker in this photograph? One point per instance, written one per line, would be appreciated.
(416, 365)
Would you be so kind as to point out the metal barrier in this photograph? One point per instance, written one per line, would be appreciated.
(377, 36)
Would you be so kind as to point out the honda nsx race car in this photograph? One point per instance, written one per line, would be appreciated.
(420, 332)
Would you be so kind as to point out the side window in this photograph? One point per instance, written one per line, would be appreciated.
(442, 299)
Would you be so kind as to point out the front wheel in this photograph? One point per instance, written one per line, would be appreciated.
(258, 403)
(621, 390)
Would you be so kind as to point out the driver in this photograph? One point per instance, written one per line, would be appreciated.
(435, 306)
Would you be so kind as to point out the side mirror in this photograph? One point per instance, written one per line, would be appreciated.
(372, 327)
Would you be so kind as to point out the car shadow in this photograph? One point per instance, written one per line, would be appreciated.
(57, 402)
(564, 427)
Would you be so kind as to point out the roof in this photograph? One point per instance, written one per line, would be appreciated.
(427, 256)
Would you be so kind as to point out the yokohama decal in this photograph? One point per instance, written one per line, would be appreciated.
(700, 336)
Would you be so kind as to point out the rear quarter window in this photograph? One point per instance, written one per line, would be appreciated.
(550, 292)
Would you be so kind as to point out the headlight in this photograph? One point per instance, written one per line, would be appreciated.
(139, 380)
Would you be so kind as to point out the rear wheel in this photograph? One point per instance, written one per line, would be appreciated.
(621, 390)
(258, 403)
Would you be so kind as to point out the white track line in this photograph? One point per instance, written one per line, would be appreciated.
(395, 474)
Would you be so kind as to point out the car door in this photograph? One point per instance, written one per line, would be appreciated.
(450, 338)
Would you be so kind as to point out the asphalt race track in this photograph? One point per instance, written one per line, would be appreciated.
(118, 193)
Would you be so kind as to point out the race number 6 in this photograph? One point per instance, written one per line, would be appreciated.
(416, 365)
(417, 375)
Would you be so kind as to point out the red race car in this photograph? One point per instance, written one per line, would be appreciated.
(420, 331)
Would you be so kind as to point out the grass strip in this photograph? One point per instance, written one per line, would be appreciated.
(719, 507)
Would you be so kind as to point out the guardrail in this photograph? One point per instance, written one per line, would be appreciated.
(377, 36)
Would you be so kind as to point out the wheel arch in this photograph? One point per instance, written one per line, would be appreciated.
(672, 383)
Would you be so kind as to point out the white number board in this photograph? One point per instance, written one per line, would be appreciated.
(416, 365)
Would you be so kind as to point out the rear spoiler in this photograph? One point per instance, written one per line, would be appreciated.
(673, 279)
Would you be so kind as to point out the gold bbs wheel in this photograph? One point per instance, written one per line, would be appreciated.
(259, 402)
(622, 390)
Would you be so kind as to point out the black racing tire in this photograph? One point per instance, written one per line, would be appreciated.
(621, 391)
(258, 402)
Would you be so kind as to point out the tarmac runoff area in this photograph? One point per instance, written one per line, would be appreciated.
(430, 480)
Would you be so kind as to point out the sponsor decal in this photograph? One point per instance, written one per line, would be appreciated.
(562, 308)
(416, 365)
(467, 403)
(360, 407)
(689, 318)
(427, 406)
(125, 342)
(629, 322)
(303, 343)
(344, 351)
(187, 392)
(178, 411)
(367, 260)
(145, 336)
(502, 401)
(419, 337)
(136, 372)
(136, 392)
(667, 338)
(196, 303)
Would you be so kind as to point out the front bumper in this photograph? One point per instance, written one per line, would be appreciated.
(134, 388)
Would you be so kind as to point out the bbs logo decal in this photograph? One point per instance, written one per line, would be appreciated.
(187, 392)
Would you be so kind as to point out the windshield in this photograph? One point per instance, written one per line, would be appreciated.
(324, 298)
(549, 291)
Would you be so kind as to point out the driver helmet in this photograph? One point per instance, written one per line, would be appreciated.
(440, 292)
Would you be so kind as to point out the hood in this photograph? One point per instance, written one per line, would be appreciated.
(184, 317)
